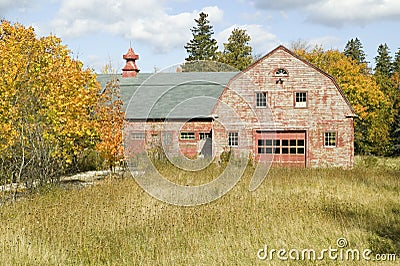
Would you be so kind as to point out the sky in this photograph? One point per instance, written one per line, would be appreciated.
(99, 32)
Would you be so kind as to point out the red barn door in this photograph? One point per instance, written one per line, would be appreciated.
(282, 147)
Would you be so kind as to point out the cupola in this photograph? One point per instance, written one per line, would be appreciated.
(130, 69)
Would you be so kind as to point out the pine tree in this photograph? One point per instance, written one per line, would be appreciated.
(202, 46)
(383, 61)
(237, 51)
(396, 62)
(396, 133)
(354, 50)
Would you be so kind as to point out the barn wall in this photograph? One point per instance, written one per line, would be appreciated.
(165, 135)
(326, 108)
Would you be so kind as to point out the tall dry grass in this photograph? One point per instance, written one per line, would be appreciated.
(117, 223)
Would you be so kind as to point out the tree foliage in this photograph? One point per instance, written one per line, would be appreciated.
(110, 118)
(203, 46)
(47, 105)
(372, 128)
(383, 61)
(396, 62)
(237, 51)
(395, 130)
(354, 50)
(387, 76)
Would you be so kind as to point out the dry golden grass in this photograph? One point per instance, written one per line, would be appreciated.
(117, 223)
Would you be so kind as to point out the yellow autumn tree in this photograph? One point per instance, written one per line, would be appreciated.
(47, 105)
(110, 119)
(372, 128)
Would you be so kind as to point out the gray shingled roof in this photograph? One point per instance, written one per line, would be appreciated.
(170, 95)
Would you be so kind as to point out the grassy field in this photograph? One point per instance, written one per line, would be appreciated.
(116, 223)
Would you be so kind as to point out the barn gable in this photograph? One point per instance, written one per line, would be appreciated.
(282, 59)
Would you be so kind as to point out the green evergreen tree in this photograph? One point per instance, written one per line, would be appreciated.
(237, 51)
(396, 133)
(383, 61)
(396, 62)
(354, 50)
(202, 46)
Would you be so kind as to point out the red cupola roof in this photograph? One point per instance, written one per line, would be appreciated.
(130, 69)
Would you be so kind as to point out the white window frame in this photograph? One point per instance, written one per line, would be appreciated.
(205, 135)
(186, 135)
(233, 139)
(261, 99)
(299, 100)
(281, 72)
(330, 139)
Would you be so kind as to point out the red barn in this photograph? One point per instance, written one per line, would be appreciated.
(281, 108)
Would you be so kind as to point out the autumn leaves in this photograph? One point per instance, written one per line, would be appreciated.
(51, 109)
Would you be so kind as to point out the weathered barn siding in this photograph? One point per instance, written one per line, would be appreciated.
(166, 135)
(326, 109)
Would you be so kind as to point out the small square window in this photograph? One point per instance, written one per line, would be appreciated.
(330, 139)
(233, 139)
(261, 99)
(300, 99)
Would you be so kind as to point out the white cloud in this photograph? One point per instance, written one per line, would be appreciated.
(327, 42)
(6, 5)
(338, 12)
(145, 21)
(341, 12)
(262, 41)
(282, 4)
(215, 14)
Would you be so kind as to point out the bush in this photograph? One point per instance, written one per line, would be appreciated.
(89, 160)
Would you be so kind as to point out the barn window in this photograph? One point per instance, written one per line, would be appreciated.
(281, 72)
(265, 146)
(280, 146)
(330, 139)
(187, 136)
(300, 99)
(261, 99)
(138, 136)
(233, 139)
(205, 135)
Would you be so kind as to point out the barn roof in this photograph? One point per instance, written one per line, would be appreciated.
(181, 95)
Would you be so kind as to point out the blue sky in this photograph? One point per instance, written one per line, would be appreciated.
(100, 31)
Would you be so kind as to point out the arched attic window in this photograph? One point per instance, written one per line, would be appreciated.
(281, 72)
